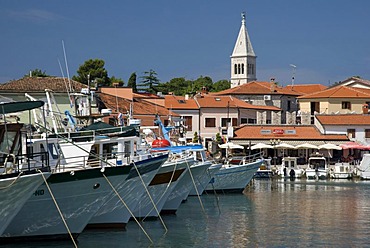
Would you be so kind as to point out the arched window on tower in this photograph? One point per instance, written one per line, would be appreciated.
(235, 69)
(242, 68)
(238, 68)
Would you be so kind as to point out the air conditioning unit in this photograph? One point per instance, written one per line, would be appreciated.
(267, 97)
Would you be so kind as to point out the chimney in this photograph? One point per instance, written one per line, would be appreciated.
(365, 108)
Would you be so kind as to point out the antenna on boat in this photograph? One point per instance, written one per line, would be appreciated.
(65, 60)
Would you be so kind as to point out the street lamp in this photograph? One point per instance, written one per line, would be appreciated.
(274, 142)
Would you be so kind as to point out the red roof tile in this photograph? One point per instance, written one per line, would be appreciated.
(39, 84)
(303, 89)
(258, 88)
(344, 119)
(339, 92)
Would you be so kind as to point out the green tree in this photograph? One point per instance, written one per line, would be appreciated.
(93, 70)
(132, 82)
(177, 86)
(37, 73)
(149, 82)
(220, 86)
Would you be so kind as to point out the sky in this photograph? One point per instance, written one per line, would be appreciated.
(328, 41)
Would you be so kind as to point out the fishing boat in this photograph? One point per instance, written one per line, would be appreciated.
(234, 177)
(341, 170)
(317, 167)
(290, 168)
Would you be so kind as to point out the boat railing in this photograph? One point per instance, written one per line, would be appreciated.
(251, 158)
(24, 162)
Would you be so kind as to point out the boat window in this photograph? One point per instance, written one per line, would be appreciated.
(286, 163)
(292, 163)
(53, 151)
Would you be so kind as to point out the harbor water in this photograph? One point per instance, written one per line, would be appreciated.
(270, 213)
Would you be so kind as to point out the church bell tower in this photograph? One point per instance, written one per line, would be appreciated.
(243, 59)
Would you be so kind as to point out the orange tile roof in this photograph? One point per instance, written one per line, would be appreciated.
(344, 119)
(339, 92)
(303, 89)
(258, 88)
(139, 106)
(179, 102)
(39, 84)
(285, 132)
(212, 101)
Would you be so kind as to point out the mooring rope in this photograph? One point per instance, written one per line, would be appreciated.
(195, 186)
(19, 175)
(168, 185)
(60, 212)
(124, 203)
(150, 197)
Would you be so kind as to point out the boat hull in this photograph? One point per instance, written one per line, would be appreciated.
(14, 192)
(79, 195)
(234, 177)
(183, 187)
(204, 179)
(114, 213)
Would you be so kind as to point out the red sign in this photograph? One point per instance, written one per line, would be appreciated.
(278, 131)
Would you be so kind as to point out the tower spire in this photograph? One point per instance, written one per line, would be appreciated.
(243, 58)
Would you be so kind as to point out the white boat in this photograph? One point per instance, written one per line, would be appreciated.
(265, 170)
(187, 182)
(363, 169)
(290, 168)
(317, 167)
(341, 171)
(234, 177)
(79, 185)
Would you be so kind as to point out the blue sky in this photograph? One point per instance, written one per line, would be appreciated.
(328, 40)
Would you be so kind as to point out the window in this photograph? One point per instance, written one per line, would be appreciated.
(238, 68)
(288, 107)
(367, 133)
(250, 69)
(210, 122)
(189, 123)
(225, 120)
(242, 68)
(346, 105)
(351, 133)
(235, 69)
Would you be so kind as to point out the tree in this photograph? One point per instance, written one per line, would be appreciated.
(220, 86)
(37, 73)
(177, 86)
(93, 70)
(132, 82)
(149, 81)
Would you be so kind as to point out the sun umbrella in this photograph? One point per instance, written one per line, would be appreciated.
(306, 146)
(284, 145)
(329, 146)
(230, 145)
(261, 146)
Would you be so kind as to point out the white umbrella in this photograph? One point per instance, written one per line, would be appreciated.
(230, 145)
(306, 146)
(284, 145)
(330, 146)
(261, 146)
